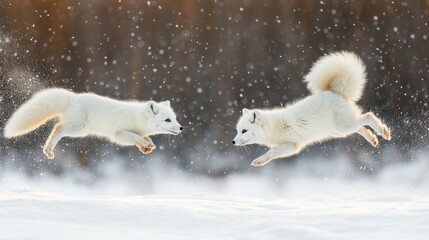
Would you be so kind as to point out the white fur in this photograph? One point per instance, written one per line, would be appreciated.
(342, 73)
(37, 111)
(336, 81)
(126, 123)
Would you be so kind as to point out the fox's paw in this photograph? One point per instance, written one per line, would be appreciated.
(386, 133)
(146, 149)
(49, 153)
(259, 162)
(149, 149)
(374, 141)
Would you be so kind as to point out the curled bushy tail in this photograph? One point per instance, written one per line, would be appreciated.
(36, 111)
(341, 72)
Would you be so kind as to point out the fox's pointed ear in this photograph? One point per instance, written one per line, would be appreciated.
(255, 116)
(165, 103)
(152, 107)
(245, 110)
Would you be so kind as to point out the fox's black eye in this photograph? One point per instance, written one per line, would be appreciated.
(244, 131)
(167, 120)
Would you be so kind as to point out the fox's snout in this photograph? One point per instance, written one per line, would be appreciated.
(180, 127)
(180, 130)
(177, 130)
(237, 141)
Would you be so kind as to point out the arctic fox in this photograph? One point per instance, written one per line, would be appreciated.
(336, 82)
(126, 123)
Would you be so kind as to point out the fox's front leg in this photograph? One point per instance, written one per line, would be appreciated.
(145, 144)
(283, 150)
(147, 149)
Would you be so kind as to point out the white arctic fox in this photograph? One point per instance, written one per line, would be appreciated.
(126, 123)
(336, 82)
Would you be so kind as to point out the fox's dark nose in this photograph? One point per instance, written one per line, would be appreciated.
(181, 128)
(233, 142)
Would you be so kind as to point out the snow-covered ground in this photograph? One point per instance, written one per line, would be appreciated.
(311, 200)
(28, 214)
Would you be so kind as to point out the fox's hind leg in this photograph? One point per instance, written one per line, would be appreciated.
(349, 120)
(371, 120)
(369, 136)
(59, 131)
(283, 150)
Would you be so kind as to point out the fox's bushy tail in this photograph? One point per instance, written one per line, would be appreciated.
(342, 72)
(40, 108)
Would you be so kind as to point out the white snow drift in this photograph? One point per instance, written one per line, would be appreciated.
(28, 214)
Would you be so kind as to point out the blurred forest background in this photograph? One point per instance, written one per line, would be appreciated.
(211, 58)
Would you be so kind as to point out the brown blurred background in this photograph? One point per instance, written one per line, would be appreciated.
(211, 58)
